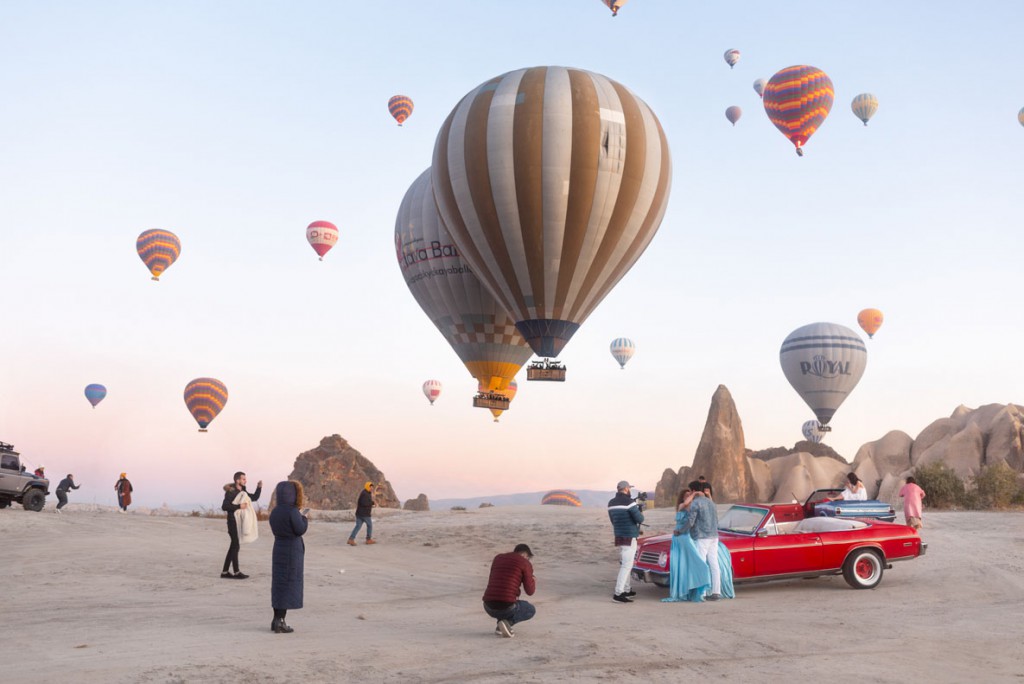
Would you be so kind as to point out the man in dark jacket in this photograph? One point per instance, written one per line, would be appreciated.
(62, 491)
(231, 491)
(624, 512)
(509, 571)
(364, 509)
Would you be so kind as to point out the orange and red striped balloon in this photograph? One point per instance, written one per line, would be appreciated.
(158, 249)
(400, 107)
(561, 497)
(205, 397)
(797, 99)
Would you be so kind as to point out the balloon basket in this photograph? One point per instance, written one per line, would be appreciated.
(546, 371)
(202, 430)
(824, 428)
(156, 278)
(490, 400)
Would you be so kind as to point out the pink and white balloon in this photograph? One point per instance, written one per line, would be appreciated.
(759, 85)
(432, 390)
(731, 57)
(322, 235)
(733, 114)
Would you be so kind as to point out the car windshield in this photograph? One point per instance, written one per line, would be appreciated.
(742, 519)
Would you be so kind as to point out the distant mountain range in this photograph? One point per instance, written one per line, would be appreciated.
(591, 498)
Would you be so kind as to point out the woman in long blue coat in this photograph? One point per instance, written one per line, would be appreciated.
(288, 526)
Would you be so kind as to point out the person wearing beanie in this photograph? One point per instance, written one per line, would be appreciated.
(364, 510)
(124, 493)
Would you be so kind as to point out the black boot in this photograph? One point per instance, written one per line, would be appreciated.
(278, 626)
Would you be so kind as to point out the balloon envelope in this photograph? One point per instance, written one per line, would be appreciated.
(733, 114)
(614, 5)
(759, 85)
(475, 325)
(1020, 116)
(870, 320)
(561, 497)
(510, 392)
(823, 362)
(812, 431)
(432, 390)
(95, 393)
(552, 181)
(322, 235)
(400, 107)
(158, 249)
(864, 106)
(731, 57)
(797, 99)
(205, 398)
(622, 349)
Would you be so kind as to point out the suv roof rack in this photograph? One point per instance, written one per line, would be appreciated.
(4, 446)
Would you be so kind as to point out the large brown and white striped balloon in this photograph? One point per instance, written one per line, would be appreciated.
(552, 181)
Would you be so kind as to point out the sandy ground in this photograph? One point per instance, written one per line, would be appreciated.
(93, 596)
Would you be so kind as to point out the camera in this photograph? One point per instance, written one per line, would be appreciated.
(641, 499)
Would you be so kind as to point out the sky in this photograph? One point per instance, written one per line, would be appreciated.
(236, 124)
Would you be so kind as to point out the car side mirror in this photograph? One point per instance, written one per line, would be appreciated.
(762, 532)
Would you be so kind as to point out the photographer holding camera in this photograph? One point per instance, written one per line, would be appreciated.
(625, 514)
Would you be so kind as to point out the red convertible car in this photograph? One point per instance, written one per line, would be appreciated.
(787, 541)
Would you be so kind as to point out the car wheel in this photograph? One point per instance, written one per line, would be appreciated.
(4, 503)
(34, 500)
(863, 569)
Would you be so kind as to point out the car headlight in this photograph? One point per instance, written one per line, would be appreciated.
(663, 559)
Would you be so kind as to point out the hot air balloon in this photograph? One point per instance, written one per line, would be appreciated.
(623, 349)
(95, 393)
(870, 320)
(552, 181)
(614, 5)
(864, 106)
(561, 497)
(509, 394)
(158, 249)
(205, 398)
(400, 107)
(759, 85)
(823, 362)
(432, 390)
(1020, 116)
(322, 235)
(797, 100)
(444, 285)
(733, 114)
(731, 57)
(812, 432)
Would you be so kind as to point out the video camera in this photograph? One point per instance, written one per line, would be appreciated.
(641, 500)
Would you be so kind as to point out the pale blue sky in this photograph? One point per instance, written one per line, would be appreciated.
(236, 124)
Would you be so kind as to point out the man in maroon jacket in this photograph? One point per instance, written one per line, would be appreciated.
(501, 599)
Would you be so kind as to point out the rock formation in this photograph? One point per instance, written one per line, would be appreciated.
(334, 473)
(420, 503)
(721, 457)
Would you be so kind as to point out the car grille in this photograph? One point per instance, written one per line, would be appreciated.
(649, 557)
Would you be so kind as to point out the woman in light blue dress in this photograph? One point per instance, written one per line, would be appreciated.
(689, 577)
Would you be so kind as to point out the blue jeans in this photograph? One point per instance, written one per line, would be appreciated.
(520, 611)
(360, 519)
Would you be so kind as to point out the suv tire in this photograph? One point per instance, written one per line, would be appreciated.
(34, 500)
(4, 503)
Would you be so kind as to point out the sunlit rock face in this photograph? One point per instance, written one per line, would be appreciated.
(333, 474)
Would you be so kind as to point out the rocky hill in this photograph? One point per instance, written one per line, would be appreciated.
(334, 473)
(966, 442)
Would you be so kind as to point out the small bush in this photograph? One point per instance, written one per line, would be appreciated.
(458, 508)
(942, 487)
(997, 486)
(486, 505)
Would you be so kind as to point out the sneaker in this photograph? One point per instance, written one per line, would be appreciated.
(57, 510)
(714, 597)
(630, 594)
(505, 629)
(370, 541)
(621, 598)
(226, 575)
(240, 575)
(351, 542)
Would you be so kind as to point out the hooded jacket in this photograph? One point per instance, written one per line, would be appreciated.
(288, 526)
(364, 507)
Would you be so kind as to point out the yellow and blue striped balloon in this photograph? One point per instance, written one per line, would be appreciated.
(158, 249)
(400, 107)
(864, 106)
(561, 497)
(205, 398)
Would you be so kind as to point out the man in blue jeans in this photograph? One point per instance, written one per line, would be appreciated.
(509, 571)
(364, 509)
